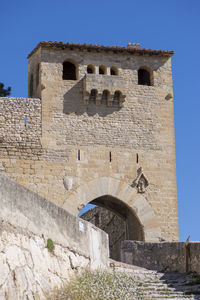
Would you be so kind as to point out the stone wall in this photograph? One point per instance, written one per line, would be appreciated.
(20, 120)
(167, 257)
(67, 119)
(193, 257)
(69, 145)
(139, 134)
(28, 267)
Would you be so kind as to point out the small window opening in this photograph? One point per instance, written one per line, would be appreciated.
(137, 158)
(69, 71)
(117, 96)
(79, 155)
(102, 70)
(105, 96)
(31, 86)
(113, 71)
(90, 69)
(110, 156)
(93, 94)
(144, 77)
(37, 74)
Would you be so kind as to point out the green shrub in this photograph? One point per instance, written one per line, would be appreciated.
(50, 245)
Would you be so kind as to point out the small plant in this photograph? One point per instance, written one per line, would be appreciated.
(50, 245)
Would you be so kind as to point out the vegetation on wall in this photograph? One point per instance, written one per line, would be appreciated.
(50, 245)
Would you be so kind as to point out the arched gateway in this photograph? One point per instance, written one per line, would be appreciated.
(121, 198)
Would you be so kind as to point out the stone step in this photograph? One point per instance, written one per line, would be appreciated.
(137, 295)
(150, 284)
(157, 297)
(162, 293)
(168, 291)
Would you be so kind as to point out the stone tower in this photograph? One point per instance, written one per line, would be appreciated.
(102, 133)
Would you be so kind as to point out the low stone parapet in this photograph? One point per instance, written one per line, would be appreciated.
(41, 244)
(165, 256)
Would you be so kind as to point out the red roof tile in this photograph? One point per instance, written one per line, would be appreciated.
(100, 48)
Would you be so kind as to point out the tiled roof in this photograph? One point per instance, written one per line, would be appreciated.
(99, 48)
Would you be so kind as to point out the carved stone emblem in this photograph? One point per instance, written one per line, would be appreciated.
(68, 183)
(140, 182)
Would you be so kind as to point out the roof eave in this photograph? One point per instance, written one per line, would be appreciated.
(115, 49)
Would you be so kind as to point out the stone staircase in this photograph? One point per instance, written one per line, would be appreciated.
(149, 284)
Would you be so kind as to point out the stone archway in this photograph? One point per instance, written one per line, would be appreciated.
(122, 191)
(115, 218)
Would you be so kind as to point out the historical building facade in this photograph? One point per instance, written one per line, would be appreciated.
(98, 127)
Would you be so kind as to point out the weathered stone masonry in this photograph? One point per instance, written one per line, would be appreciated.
(78, 146)
(28, 267)
(168, 257)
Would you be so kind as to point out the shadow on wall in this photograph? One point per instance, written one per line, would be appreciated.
(112, 224)
(73, 103)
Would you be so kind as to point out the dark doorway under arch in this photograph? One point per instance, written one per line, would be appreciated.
(144, 77)
(69, 71)
(117, 220)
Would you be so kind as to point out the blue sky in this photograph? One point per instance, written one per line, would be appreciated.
(156, 24)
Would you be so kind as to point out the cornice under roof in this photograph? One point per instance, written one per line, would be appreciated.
(99, 48)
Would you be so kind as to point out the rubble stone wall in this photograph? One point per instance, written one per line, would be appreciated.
(20, 120)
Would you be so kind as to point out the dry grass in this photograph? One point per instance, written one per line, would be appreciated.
(96, 285)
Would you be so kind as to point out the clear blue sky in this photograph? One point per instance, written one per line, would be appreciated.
(156, 24)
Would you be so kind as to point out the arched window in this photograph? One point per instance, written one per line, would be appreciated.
(117, 96)
(93, 95)
(90, 69)
(144, 77)
(31, 86)
(102, 70)
(105, 95)
(69, 71)
(113, 71)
